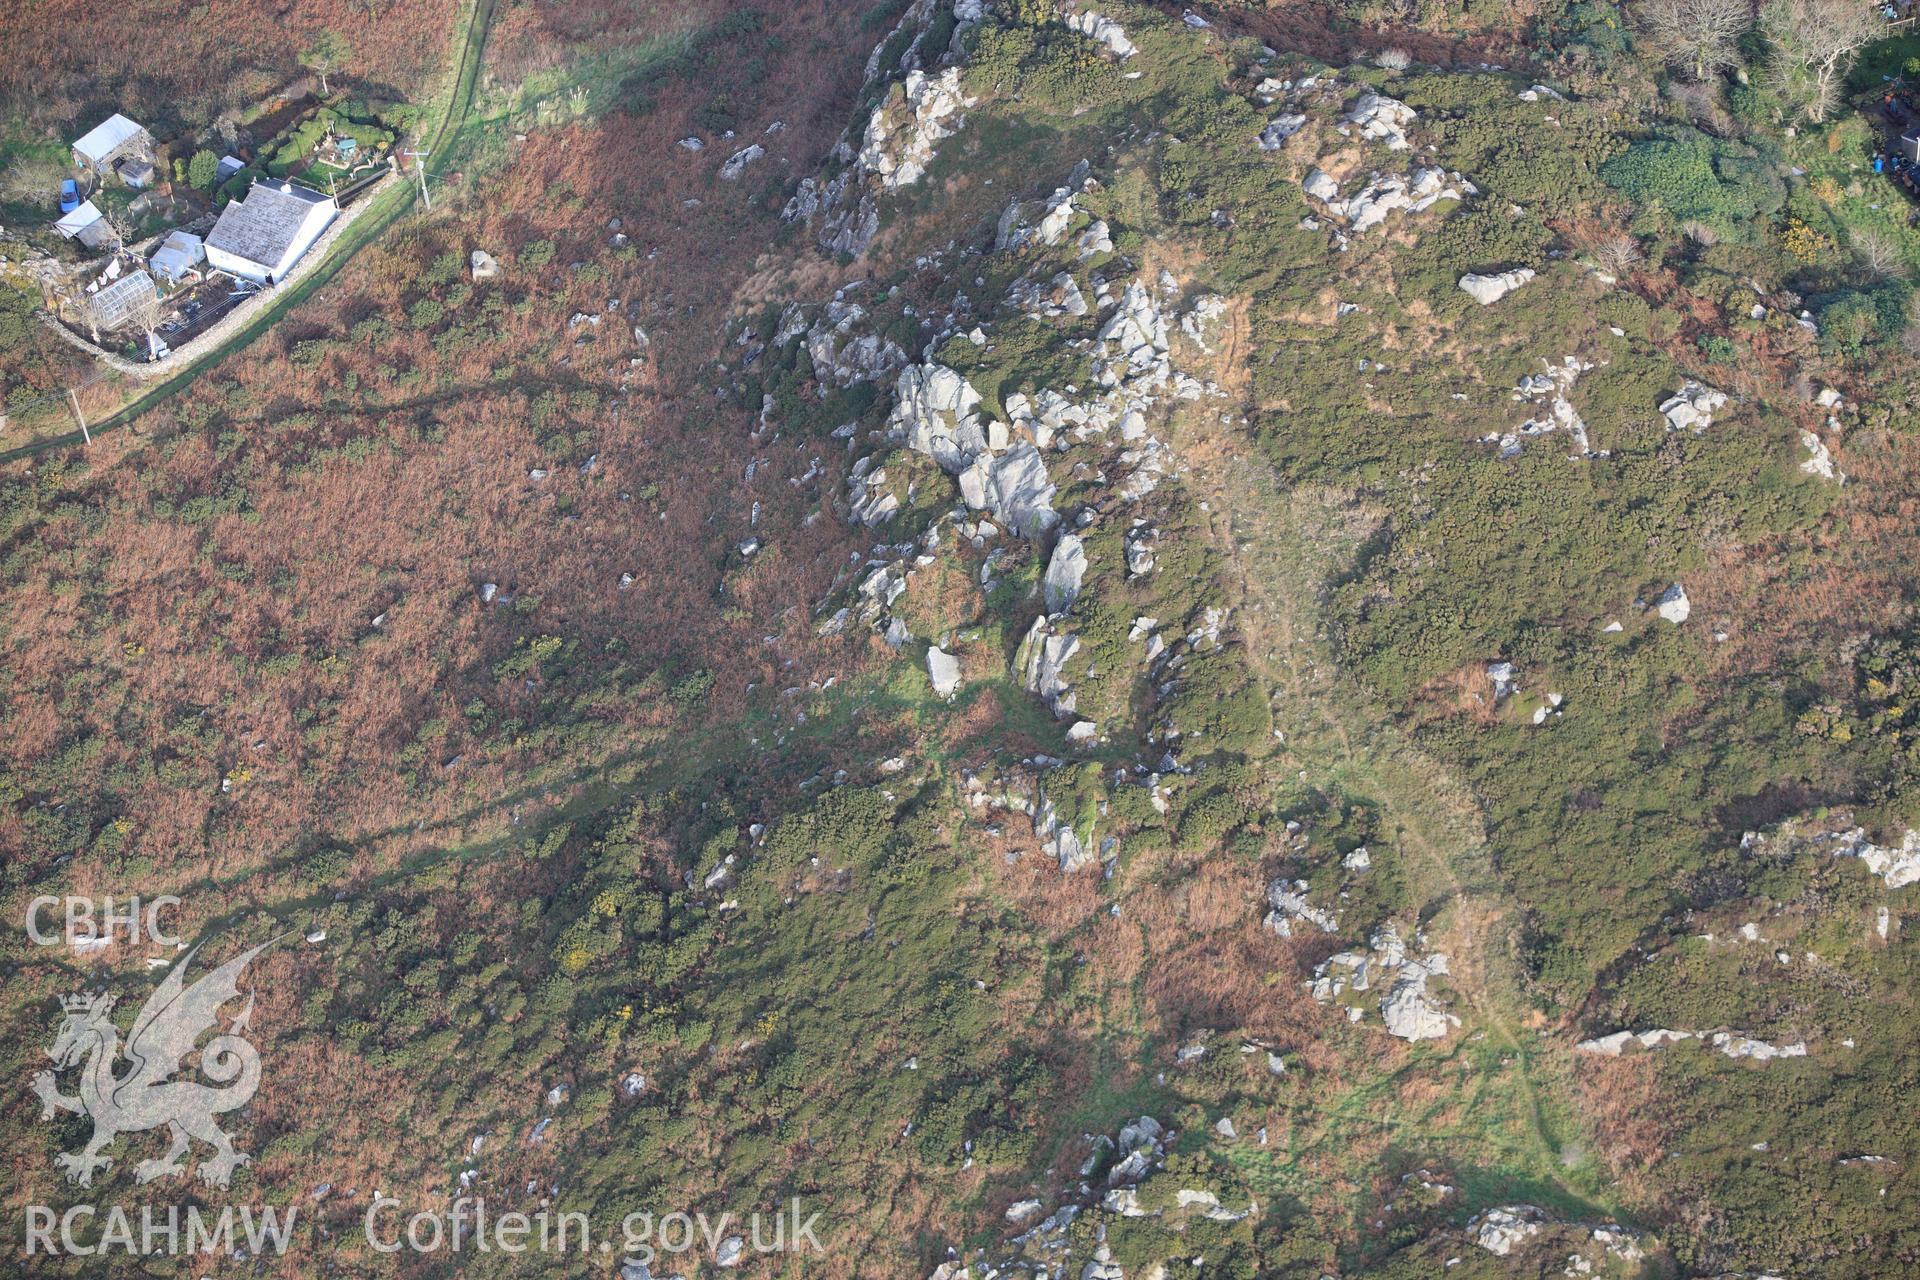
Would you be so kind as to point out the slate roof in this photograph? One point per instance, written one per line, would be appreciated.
(260, 226)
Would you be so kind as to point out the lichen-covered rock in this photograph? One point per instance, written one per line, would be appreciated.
(1058, 839)
(842, 346)
(1407, 1006)
(1819, 459)
(1041, 662)
(1288, 900)
(1133, 343)
(1381, 195)
(1280, 128)
(1735, 1045)
(1615, 1043)
(934, 413)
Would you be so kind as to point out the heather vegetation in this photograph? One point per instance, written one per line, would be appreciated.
(1462, 613)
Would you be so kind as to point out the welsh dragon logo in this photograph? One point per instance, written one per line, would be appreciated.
(164, 1034)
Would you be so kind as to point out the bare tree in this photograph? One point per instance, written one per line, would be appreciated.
(1615, 254)
(1814, 42)
(1878, 255)
(329, 51)
(1695, 35)
(1701, 102)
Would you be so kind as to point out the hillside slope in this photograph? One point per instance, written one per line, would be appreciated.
(1080, 640)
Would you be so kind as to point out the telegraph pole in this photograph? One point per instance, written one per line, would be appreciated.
(74, 400)
(420, 167)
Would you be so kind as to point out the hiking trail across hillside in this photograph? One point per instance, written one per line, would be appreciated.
(1282, 545)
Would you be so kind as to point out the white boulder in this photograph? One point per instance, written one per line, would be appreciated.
(1673, 604)
(1489, 289)
(1899, 866)
(737, 163)
(1280, 128)
(1065, 571)
(1501, 1231)
(944, 670)
(1381, 119)
(1102, 31)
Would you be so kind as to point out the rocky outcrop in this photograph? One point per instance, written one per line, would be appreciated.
(1103, 31)
(1379, 118)
(1619, 1042)
(1408, 1008)
(1733, 1044)
(1673, 604)
(1290, 907)
(736, 164)
(1280, 128)
(840, 342)
(1014, 486)
(1066, 569)
(1500, 1231)
(1058, 840)
(899, 138)
(1819, 459)
(1692, 407)
(1899, 866)
(1056, 216)
(1489, 289)
(1132, 345)
(871, 500)
(1381, 195)
(1041, 664)
(1548, 396)
(935, 413)
(1060, 296)
(902, 132)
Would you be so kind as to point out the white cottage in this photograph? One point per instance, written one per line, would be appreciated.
(260, 236)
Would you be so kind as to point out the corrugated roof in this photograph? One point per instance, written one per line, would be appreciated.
(79, 220)
(260, 226)
(104, 137)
